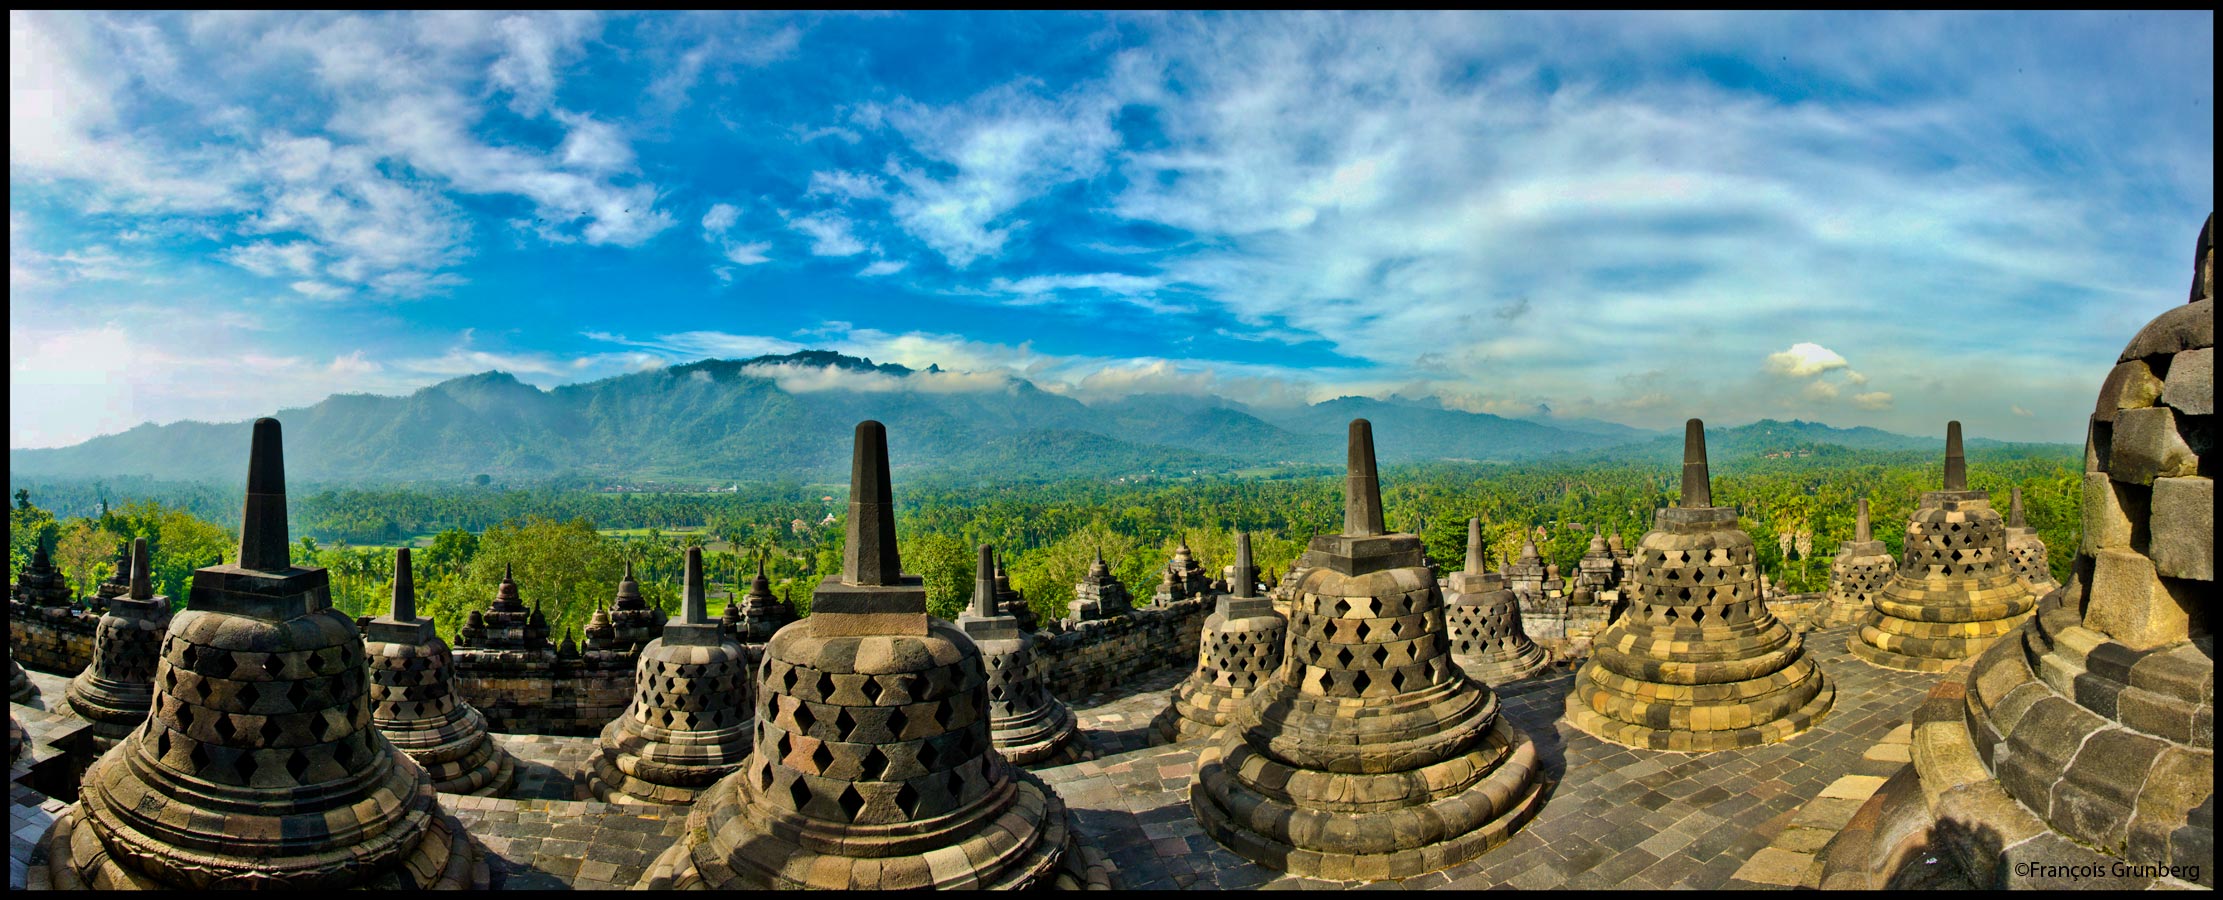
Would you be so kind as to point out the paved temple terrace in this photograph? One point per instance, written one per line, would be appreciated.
(1617, 817)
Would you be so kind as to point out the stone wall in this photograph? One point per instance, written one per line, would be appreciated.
(540, 692)
(51, 639)
(1099, 655)
(1567, 630)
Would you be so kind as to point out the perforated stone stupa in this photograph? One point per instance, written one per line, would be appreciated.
(1857, 574)
(691, 717)
(1098, 595)
(1483, 620)
(2028, 550)
(1956, 590)
(873, 766)
(413, 699)
(1028, 726)
(259, 766)
(1370, 754)
(1697, 663)
(1240, 648)
(115, 691)
(2086, 737)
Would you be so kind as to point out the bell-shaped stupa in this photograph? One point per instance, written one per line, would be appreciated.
(1956, 590)
(1370, 754)
(118, 583)
(1697, 663)
(116, 689)
(2028, 550)
(1483, 619)
(1028, 725)
(414, 702)
(2079, 750)
(259, 766)
(873, 768)
(1239, 649)
(1861, 568)
(691, 717)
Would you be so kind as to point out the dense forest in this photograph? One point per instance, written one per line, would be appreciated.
(1797, 505)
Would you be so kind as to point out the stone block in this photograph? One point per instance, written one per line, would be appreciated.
(2130, 385)
(2191, 385)
(2182, 328)
(2111, 514)
(2146, 446)
(2181, 533)
(2130, 604)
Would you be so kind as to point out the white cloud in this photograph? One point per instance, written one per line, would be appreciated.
(1820, 390)
(1804, 360)
(1872, 400)
(748, 254)
(829, 234)
(2019, 411)
(882, 267)
(719, 219)
(319, 290)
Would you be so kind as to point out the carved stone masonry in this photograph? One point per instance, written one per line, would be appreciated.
(1857, 575)
(414, 702)
(1483, 620)
(116, 690)
(1028, 725)
(1369, 754)
(1240, 648)
(691, 717)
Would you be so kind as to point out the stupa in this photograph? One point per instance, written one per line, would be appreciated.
(2028, 550)
(1240, 648)
(873, 766)
(761, 614)
(1483, 620)
(41, 583)
(2079, 750)
(1369, 754)
(116, 689)
(1861, 568)
(1956, 590)
(1525, 574)
(507, 624)
(1594, 574)
(1184, 577)
(1027, 724)
(1099, 595)
(414, 702)
(1697, 663)
(1009, 600)
(258, 767)
(691, 717)
(118, 583)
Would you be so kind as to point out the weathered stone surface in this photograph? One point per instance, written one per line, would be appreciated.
(1956, 590)
(2191, 386)
(2130, 603)
(1028, 724)
(2147, 446)
(415, 704)
(2111, 510)
(2187, 327)
(2182, 538)
(2130, 385)
(692, 713)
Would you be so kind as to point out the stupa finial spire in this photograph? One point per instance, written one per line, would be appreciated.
(2014, 510)
(870, 556)
(1246, 573)
(142, 574)
(405, 588)
(263, 543)
(1362, 489)
(694, 601)
(1698, 489)
(1956, 466)
(1475, 564)
(1861, 531)
(984, 584)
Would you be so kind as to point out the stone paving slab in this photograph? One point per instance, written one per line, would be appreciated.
(1617, 818)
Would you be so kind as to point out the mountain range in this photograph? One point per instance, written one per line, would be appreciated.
(778, 417)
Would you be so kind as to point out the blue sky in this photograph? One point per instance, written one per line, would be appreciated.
(1866, 219)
